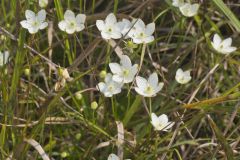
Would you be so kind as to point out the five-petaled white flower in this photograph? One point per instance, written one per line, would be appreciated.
(189, 10)
(109, 28)
(109, 87)
(183, 77)
(223, 46)
(125, 71)
(4, 58)
(72, 24)
(178, 3)
(142, 33)
(113, 156)
(34, 22)
(43, 3)
(150, 87)
(161, 123)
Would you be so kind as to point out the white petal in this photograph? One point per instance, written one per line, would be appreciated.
(80, 18)
(117, 78)
(227, 42)
(62, 25)
(69, 15)
(229, 50)
(29, 14)
(101, 86)
(163, 119)
(105, 35)
(139, 24)
(113, 157)
(168, 125)
(116, 35)
(141, 82)
(111, 19)
(115, 68)
(32, 30)
(148, 39)
(159, 87)
(108, 78)
(153, 79)
(43, 25)
(41, 15)
(217, 39)
(154, 120)
(150, 28)
(25, 24)
(137, 40)
(70, 30)
(100, 25)
(125, 61)
(140, 91)
(108, 94)
(79, 27)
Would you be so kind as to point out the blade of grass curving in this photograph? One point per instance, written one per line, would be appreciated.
(222, 139)
(228, 13)
(134, 107)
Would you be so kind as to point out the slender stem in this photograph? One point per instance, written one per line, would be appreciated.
(114, 108)
(150, 106)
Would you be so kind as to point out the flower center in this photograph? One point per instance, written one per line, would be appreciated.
(125, 72)
(110, 88)
(72, 24)
(109, 29)
(149, 90)
(35, 23)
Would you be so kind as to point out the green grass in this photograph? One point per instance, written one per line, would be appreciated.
(205, 110)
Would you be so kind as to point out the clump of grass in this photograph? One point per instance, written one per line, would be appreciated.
(52, 109)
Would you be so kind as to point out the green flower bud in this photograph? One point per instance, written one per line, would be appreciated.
(78, 95)
(94, 105)
(103, 74)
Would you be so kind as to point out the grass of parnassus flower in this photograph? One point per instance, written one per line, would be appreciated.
(44, 116)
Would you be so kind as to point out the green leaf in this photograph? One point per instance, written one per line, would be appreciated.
(134, 107)
(228, 13)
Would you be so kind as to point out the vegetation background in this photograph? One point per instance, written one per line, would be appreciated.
(35, 118)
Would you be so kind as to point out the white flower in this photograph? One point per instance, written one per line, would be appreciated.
(125, 71)
(183, 77)
(109, 87)
(178, 3)
(161, 122)
(34, 22)
(4, 58)
(150, 87)
(142, 33)
(113, 156)
(72, 24)
(109, 28)
(222, 46)
(43, 3)
(189, 10)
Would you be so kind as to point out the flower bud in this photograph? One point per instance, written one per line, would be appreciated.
(94, 105)
(64, 154)
(78, 95)
(103, 74)
(78, 136)
(27, 71)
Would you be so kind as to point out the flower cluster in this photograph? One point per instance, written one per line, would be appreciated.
(186, 8)
(125, 72)
(136, 30)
